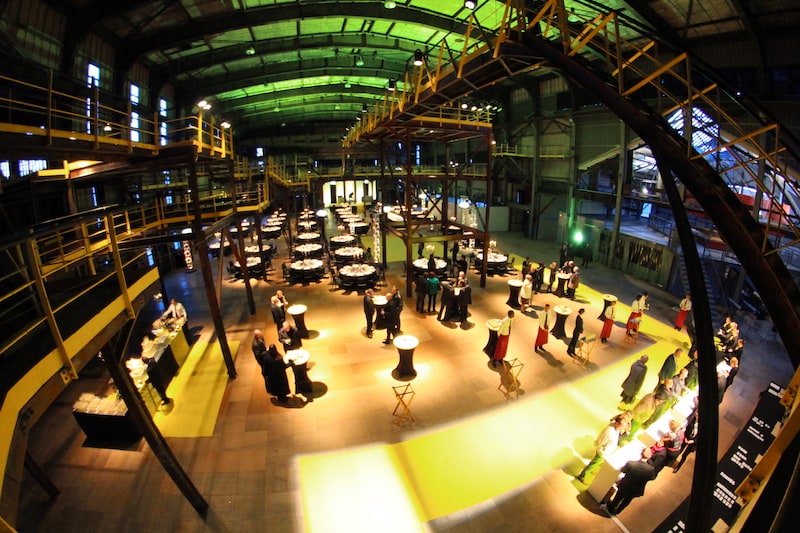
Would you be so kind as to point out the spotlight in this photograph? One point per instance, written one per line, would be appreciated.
(389, 4)
(469, 4)
(347, 84)
(251, 51)
(418, 57)
(225, 124)
(392, 84)
(107, 128)
(359, 61)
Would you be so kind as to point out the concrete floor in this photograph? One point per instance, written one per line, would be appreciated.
(246, 469)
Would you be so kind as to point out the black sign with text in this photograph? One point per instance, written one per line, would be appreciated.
(745, 451)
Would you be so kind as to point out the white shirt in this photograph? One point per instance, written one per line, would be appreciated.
(176, 310)
(686, 304)
(526, 290)
(505, 326)
(637, 306)
(607, 441)
(546, 317)
(611, 312)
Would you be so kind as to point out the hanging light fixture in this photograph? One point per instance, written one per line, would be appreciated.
(389, 4)
(364, 108)
(347, 84)
(469, 4)
(250, 50)
(392, 84)
(418, 59)
(359, 61)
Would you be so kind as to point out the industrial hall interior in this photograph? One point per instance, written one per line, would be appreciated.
(399, 266)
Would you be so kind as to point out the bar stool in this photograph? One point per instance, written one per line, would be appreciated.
(633, 333)
(509, 379)
(404, 394)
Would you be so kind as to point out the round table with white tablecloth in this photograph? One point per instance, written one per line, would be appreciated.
(308, 236)
(405, 345)
(562, 312)
(495, 262)
(340, 241)
(358, 276)
(421, 266)
(298, 314)
(299, 362)
(348, 254)
(306, 270)
(310, 249)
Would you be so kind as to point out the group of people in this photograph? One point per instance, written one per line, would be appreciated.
(455, 299)
(674, 444)
(273, 365)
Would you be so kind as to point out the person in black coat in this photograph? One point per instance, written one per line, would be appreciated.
(260, 353)
(576, 333)
(633, 383)
(637, 475)
(446, 300)
(431, 263)
(421, 291)
(369, 310)
(275, 372)
(464, 299)
(391, 313)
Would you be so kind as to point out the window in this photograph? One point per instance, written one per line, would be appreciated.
(29, 166)
(134, 115)
(92, 80)
(162, 125)
(5, 170)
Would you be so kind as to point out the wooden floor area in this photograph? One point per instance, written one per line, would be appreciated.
(248, 470)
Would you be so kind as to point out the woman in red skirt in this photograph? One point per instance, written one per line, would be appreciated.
(545, 323)
(608, 321)
(503, 334)
(683, 309)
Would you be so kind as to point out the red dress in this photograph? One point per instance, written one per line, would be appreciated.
(681, 318)
(541, 337)
(606, 331)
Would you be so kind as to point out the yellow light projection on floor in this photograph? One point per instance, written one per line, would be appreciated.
(398, 487)
(198, 387)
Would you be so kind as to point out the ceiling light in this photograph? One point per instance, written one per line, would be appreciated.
(203, 104)
(251, 51)
(225, 124)
(389, 4)
(418, 57)
(358, 118)
(359, 61)
(469, 4)
(107, 128)
(392, 84)
(347, 84)
(364, 108)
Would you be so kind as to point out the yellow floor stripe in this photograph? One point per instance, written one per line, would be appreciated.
(197, 393)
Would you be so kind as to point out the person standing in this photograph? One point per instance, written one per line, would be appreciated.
(260, 353)
(175, 310)
(604, 445)
(633, 383)
(525, 294)
(289, 337)
(431, 263)
(608, 321)
(503, 335)
(421, 290)
(464, 300)
(636, 476)
(573, 282)
(690, 436)
(433, 290)
(545, 323)
(576, 333)
(391, 312)
(278, 311)
(526, 267)
(446, 301)
(683, 309)
(398, 302)
(637, 308)
(369, 311)
(587, 254)
(275, 370)
(670, 366)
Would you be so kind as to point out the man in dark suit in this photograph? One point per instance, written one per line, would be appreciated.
(576, 333)
(637, 475)
(369, 310)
